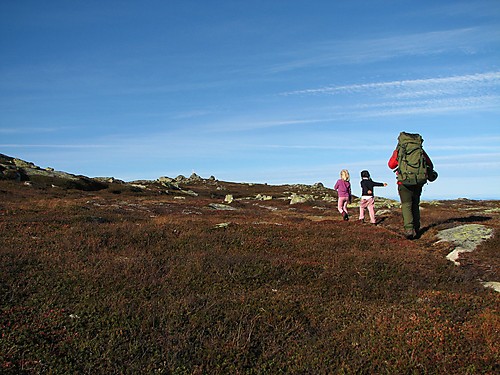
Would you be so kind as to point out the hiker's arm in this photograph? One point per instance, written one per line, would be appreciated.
(393, 161)
(428, 160)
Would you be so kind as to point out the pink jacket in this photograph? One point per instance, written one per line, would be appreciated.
(343, 188)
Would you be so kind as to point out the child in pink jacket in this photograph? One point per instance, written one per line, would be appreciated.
(343, 188)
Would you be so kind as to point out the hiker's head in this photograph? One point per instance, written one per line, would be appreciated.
(344, 175)
(365, 174)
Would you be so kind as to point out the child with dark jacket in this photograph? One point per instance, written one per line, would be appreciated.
(367, 196)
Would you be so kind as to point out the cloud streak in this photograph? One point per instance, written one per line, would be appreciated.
(427, 86)
(466, 41)
(439, 95)
(29, 146)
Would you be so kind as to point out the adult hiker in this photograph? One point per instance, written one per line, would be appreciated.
(413, 168)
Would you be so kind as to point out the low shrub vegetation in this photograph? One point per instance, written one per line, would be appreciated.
(100, 283)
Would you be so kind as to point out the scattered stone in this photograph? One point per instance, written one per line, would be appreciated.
(109, 180)
(266, 223)
(295, 198)
(228, 199)
(495, 285)
(221, 225)
(221, 207)
(270, 208)
(139, 186)
(190, 192)
(329, 199)
(165, 180)
(383, 212)
(433, 203)
(263, 197)
(386, 203)
(189, 212)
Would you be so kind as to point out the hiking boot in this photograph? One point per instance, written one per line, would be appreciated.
(346, 216)
(410, 234)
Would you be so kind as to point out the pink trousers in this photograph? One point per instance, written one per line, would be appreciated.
(370, 204)
(342, 204)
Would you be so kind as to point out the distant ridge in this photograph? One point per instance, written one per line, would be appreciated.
(22, 171)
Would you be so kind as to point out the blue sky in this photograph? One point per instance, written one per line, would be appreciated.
(283, 91)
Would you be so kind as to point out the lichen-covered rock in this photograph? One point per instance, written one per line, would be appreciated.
(296, 198)
(465, 237)
(263, 197)
(495, 285)
(20, 170)
(221, 207)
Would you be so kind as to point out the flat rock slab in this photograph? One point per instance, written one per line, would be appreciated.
(493, 285)
(221, 207)
(465, 237)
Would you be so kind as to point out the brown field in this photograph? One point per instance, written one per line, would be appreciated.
(129, 280)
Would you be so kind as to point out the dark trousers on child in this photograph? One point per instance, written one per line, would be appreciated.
(410, 205)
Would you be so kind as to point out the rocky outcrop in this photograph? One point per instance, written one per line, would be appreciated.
(194, 178)
(20, 170)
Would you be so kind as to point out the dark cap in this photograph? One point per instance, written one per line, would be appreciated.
(365, 174)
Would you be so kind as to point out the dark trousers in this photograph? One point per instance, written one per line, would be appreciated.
(410, 205)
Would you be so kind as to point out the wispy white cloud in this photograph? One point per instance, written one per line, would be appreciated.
(33, 129)
(312, 147)
(439, 95)
(430, 85)
(47, 145)
(361, 51)
(437, 107)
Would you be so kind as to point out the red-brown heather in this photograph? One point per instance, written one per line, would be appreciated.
(132, 279)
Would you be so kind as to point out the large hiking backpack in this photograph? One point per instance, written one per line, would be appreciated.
(412, 164)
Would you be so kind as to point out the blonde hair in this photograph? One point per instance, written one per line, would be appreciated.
(344, 175)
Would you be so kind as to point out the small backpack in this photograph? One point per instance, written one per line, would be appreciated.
(412, 164)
